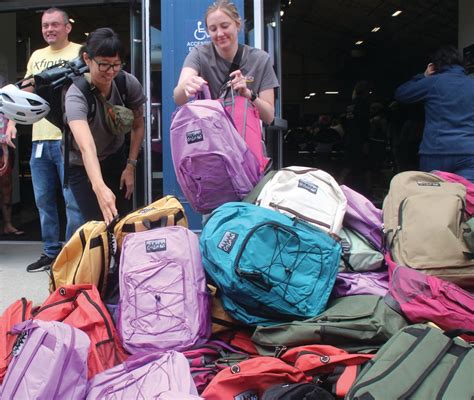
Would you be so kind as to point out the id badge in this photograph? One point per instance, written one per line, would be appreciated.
(39, 150)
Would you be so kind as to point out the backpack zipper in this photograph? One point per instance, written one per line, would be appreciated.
(299, 215)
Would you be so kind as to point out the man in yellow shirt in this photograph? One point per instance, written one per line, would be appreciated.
(46, 162)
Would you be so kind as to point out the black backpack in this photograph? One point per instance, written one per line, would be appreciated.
(52, 84)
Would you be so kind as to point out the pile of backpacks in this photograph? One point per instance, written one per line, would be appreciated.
(303, 290)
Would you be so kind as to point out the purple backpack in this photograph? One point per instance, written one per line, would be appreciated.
(363, 217)
(164, 303)
(421, 298)
(49, 362)
(145, 376)
(352, 283)
(213, 164)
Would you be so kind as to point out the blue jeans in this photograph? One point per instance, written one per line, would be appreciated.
(462, 165)
(47, 174)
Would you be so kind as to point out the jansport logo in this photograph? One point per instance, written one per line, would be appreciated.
(194, 136)
(420, 183)
(228, 241)
(155, 245)
(309, 186)
(247, 395)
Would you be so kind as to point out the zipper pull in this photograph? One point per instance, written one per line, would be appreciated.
(279, 350)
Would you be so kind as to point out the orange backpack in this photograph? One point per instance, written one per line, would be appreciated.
(81, 306)
(17, 312)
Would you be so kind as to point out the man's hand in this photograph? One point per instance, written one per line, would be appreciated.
(430, 69)
(10, 133)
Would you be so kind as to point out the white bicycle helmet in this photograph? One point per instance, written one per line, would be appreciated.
(23, 107)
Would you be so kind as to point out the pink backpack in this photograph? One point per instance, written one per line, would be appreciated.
(145, 376)
(421, 297)
(450, 177)
(213, 165)
(247, 121)
(164, 302)
(49, 362)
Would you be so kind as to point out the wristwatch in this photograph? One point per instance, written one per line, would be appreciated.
(132, 162)
(253, 96)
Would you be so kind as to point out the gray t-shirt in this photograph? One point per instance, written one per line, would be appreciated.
(106, 142)
(256, 65)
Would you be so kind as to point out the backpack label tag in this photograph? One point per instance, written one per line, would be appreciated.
(152, 246)
(194, 136)
(309, 186)
(420, 183)
(228, 241)
(247, 395)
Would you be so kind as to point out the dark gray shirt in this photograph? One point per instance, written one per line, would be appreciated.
(256, 65)
(106, 142)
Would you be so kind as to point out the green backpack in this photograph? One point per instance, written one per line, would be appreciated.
(360, 323)
(419, 362)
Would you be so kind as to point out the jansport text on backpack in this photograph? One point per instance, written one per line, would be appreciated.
(167, 211)
(363, 217)
(353, 323)
(49, 362)
(419, 362)
(85, 258)
(164, 303)
(268, 267)
(17, 312)
(422, 298)
(146, 376)
(306, 193)
(250, 378)
(424, 220)
(246, 119)
(81, 307)
(213, 164)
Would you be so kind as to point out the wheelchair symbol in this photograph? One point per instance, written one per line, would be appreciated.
(200, 33)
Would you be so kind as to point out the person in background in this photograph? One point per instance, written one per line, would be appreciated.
(448, 97)
(101, 173)
(210, 64)
(46, 163)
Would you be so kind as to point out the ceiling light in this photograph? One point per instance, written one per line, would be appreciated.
(307, 97)
(313, 94)
(86, 33)
(397, 13)
(331, 92)
(71, 20)
(282, 13)
(359, 42)
(376, 29)
(273, 24)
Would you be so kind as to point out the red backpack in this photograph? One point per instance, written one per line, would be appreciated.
(330, 367)
(17, 312)
(81, 307)
(250, 378)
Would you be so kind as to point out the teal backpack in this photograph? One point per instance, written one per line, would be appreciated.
(268, 267)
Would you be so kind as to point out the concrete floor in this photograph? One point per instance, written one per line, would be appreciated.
(15, 282)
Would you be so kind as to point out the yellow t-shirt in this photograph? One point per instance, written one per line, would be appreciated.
(40, 60)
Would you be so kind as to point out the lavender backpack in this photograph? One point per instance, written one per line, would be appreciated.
(363, 217)
(164, 303)
(49, 362)
(352, 283)
(145, 376)
(212, 162)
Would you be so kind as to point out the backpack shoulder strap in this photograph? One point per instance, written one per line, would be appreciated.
(86, 89)
(121, 83)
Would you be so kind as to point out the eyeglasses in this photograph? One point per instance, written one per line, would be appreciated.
(54, 25)
(104, 67)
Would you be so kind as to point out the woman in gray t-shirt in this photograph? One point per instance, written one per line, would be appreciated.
(101, 172)
(210, 64)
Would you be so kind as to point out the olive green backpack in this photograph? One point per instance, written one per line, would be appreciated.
(419, 362)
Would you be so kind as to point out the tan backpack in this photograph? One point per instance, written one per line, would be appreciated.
(85, 258)
(424, 220)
